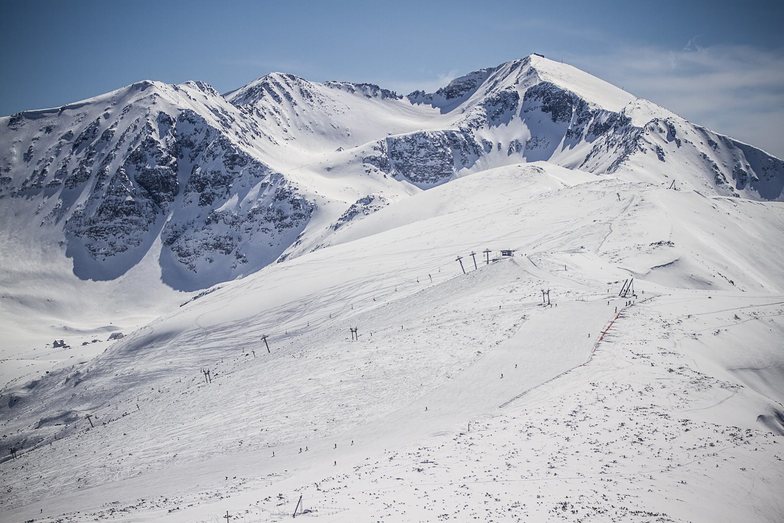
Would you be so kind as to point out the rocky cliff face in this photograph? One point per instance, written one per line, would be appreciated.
(150, 167)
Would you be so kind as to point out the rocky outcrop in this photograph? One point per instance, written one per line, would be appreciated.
(426, 158)
(363, 207)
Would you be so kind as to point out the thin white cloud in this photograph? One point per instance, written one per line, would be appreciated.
(735, 90)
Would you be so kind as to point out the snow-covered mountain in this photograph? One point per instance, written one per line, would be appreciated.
(230, 184)
(146, 162)
(202, 259)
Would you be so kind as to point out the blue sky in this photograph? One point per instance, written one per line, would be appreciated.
(720, 64)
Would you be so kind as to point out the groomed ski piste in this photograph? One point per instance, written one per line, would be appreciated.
(465, 397)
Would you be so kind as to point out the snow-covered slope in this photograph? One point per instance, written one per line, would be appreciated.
(320, 118)
(463, 397)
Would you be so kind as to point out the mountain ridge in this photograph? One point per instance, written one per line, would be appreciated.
(194, 168)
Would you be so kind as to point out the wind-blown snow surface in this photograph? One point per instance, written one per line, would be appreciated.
(464, 398)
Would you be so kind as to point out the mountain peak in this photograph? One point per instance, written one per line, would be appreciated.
(585, 85)
(199, 85)
(521, 74)
(274, 85)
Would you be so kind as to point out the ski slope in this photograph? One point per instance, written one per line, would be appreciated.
(464, 397)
